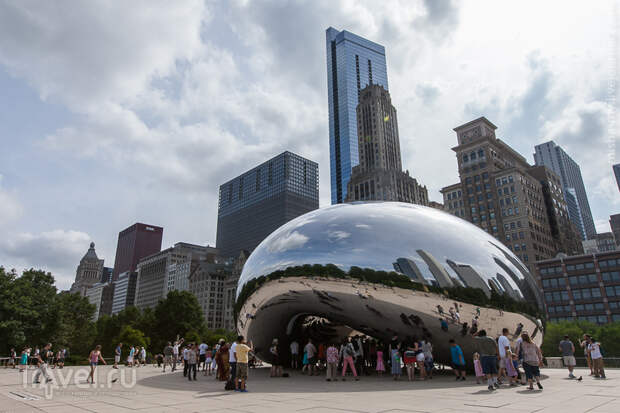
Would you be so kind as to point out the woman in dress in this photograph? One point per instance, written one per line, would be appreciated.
(276, 364)
(223, 366)
(94, 358)
(395, 357)
(380, 366)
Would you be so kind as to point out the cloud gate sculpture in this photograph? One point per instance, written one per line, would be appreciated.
(383, 268)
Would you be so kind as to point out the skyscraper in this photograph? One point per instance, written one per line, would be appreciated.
(617, 174)
(134, 243)
(259, 201)
(553, 157)
(379, 175)
(352, 63)
(89, 272)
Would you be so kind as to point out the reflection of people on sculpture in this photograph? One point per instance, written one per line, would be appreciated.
(518, 330)
(440, 309)
(444, 324)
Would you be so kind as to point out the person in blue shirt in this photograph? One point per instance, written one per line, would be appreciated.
(458, 361)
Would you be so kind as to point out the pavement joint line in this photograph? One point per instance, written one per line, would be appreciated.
(488, 407)
(331, 408)
(602, 404)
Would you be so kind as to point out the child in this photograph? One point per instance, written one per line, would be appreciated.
(511, 372)
(478, 368)
(380, 365)
(208, 362)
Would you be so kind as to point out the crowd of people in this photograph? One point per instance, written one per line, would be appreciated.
(30, 357)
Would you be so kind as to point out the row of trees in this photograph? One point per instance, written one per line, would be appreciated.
(607, 334)
(33, 312)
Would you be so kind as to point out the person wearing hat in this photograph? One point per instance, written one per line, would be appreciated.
(567, 348)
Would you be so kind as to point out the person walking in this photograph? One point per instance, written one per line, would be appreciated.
(143, 356)
(23, 361)
(294, 354)
(332, 356)
(42, 364)
(232, 360)
(94, 358)
(503, 345)
(185, 353)
(594, 351)
(532, 360)
(458, 360)
(487, 348)
(567, 348)
(12, 357)
(202, 351)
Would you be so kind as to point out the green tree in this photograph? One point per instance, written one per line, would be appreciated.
(133, 337)
(177, 314)
(72, 326)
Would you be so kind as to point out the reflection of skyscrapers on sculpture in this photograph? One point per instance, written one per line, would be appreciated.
(352, 63)
(379, 175)
(337, 264)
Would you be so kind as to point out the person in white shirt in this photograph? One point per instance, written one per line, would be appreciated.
(143, 356)
(232, 359)
(175, 353)
(202, 351)
(594, 350)
(311, 354)
(503, 345)
(185, 361)
(294, 354)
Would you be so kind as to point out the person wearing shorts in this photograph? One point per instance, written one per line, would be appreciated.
(567, 348)
(117, 355)
(487, 348)
(458, 360)
(241, 355)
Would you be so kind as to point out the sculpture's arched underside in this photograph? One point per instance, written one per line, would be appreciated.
(431, 248)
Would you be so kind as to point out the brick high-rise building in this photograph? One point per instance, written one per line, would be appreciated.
(379, 175)
(134, 243)
(498, 193)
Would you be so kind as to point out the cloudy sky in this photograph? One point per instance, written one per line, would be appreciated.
(112, 114)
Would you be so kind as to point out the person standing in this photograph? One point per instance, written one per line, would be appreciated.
(202, 350)
(594, 351)
(192, 359)
(567, 348)
(427, 348)
(186, 358)
(232, 360)
(294, 354)
(310, 350)
(532, 360)
(394, 348)
(143, 356)
(12, 357)
(332, 362)
(584, 344)
(117, 355)
(94, 358)
(168, 356)
(458, 360)
(276, 363)
(241, 355)
(23, 361)
(175, 352)
(503, 345)
(130, 357)
(348, 353)
(42, 365)
(487, 348)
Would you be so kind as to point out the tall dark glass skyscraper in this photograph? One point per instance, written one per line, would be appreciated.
(553, 157)
(259, 201)
(352, 63)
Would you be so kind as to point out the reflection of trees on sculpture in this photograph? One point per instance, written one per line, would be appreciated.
(475, 296)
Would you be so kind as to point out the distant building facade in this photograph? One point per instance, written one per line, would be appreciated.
(555, 158)
(614, 223)
(165, 271)
(602, 242)
(134, 243)
(89, 272)
(379, 175)
(101, 296)
(352, 64)
(583, 287)
(616, 168)
(106, 275)
(124, 291)
(261, 200)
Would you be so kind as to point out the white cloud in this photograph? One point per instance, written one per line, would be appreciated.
(10, 208)
(58, 251)
(290, 241)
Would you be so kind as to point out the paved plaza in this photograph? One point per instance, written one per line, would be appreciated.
(170, 392)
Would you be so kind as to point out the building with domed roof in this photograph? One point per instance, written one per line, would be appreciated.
(89, 272)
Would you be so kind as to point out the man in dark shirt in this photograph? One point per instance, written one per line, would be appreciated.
(168, 352)
(488, 350)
